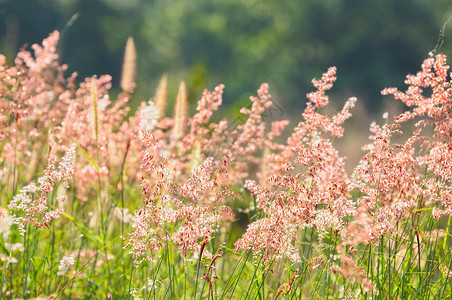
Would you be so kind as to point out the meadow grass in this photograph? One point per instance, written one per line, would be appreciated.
(98, 202)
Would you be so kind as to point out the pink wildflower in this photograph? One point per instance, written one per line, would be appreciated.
(31, 203)
(292, 196)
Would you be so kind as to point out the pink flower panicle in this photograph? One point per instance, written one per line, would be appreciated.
(34, 97)
(428, 96)
(39, 108)
(193, 205)
(307, 186)
(30, 205)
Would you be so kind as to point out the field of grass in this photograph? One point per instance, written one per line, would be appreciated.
(100, 202)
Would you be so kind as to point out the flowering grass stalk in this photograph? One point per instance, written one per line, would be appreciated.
(100, 202)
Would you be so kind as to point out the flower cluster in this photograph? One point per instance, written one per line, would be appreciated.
(194, 208)
(395, 179)
(31, 204)
(308, 183)
(192, 169)
(186, 180)
(42, 111)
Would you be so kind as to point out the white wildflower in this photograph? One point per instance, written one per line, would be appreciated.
(149, 116)
(5, 223)
(65, 263)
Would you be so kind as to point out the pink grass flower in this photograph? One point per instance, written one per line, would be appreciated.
(307, 186)
(30, 205)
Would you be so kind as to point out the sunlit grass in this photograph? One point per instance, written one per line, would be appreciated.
(97, 202)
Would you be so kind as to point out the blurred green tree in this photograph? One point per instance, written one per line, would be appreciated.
(239, 43)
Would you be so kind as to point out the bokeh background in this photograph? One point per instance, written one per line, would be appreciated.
(241, 44)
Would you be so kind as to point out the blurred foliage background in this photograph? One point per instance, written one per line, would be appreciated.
(239, 43)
